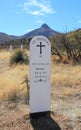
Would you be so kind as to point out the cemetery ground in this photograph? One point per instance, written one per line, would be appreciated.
(65, 96)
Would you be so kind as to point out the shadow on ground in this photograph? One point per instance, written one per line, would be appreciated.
(44, 123)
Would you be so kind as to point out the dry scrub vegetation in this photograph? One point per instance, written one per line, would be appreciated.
(65, 91)
(12, 77)
(61, 74)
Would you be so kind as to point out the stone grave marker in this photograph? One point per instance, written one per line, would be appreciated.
(40, 57)
(21, 46)
(11, 48)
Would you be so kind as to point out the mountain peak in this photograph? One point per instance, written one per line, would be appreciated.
(44, 26)
(44, 30)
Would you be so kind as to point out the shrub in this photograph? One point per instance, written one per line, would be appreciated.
(19, 56)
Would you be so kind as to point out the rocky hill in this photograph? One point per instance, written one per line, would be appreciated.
(44, 30)
(6, 38)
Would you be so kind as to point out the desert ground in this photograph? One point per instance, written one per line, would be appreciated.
(65, 97)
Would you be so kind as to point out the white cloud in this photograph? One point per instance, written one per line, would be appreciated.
(36, 7)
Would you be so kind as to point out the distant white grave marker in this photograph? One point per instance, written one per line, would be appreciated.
(10, 48)
(40, 53)
(21, 46)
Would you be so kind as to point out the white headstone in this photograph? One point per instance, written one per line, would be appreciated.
(10, 48)
(21, 46)
(40, 54)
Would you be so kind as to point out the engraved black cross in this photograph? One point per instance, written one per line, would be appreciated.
(40, 47)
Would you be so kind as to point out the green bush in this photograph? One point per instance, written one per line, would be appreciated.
(20, 57)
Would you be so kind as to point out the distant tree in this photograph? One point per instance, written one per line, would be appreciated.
(73, 50)
(55, 46)
(69, 43)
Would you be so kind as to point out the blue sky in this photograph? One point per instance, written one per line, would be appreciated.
(18, 17)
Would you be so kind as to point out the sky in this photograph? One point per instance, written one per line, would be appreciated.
(18, 17)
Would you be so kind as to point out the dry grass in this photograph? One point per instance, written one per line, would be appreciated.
(65, 74)
(61, 74)
(4, 54)
(10, 80)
